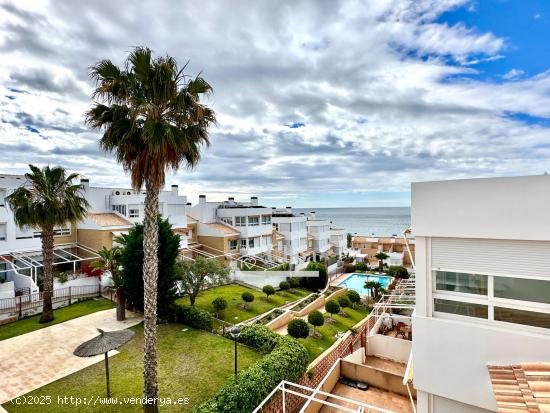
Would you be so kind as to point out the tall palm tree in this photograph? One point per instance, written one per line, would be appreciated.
(381, 256)
(152, 119)
(109, 261)
(47, 199)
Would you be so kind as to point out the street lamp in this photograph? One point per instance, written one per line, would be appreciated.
(235, 333)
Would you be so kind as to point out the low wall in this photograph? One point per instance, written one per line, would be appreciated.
(280, 321)
(319, 302)
(326, 385)
(374, 377)
(77, 282)
(7, 290)
(389, 347)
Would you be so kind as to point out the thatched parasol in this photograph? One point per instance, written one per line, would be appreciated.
(102, 344)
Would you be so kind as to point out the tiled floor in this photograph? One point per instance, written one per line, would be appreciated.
(386, 365)
(388, 401)
(35, 359)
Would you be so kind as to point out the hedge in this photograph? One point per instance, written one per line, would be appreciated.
(194, 317)
(288, 360)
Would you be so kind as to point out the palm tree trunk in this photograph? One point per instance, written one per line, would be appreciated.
(120, 304)
(150, 278)
(380, 266)
(47, 253)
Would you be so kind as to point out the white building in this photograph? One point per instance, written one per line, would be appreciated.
(251, 221)
(338, 240)
(293, 228)
(319, 229)
(482, 286)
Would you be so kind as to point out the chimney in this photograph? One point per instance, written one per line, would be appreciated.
(175, 190)
(85, 182)
(231, 200)
(289, 209)
(202, 199)
(254, 200)
(312, 215)
(188, 204)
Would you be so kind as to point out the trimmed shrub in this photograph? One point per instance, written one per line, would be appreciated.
(247, 297)
(316, 319)
(294, 282)
(315, 283)
(361, 266)
(284, 285)
(259, 337)
(332, 307)
(349, 267)
(344, 301)
(219, 304)
(268, 290)
(353, 296)
(194, 317)
(398, 271)
(288, 360)
(298, 328)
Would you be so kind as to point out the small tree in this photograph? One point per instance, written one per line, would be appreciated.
(344, 301)
(381, 256)
(268, 290)
(398, 271)
(294, 282)
(284, 286)
(298, 328)
(354, 297)
(332, 307)
(247, 297)
(197, 275)
(316, 319)
(219, 305)
(361, 266)
(109, 261)
(349, 238)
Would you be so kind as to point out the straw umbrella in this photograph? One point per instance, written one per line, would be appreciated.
(102, 344)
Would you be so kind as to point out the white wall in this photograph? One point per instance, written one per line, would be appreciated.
(7, 290)
(451, 357)
(77, 282)
(389, 347)
(496, 208)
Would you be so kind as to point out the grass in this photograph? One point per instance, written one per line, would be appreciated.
(316, 345)
(193, 364)
(232, 294)
(26, 325)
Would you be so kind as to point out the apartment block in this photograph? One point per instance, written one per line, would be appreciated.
(319, 229)
(482, 313)
(293, 243)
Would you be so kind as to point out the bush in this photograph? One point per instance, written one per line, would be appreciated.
(315, 283)
(398, 271)
(284, 285)
(194, 317)
(344, 301)
(247, 297)
(353, 296)
(361, 266)
(298, 328)
(294, 282)
(281, 267)
(349, 267)
(316, 319)
(268, 290)
(288, 360)
(219, 304)
(332, 307)
(259, 337)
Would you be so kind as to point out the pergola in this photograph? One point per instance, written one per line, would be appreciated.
(29, 262)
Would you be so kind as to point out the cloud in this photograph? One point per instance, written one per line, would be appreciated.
(312, 97)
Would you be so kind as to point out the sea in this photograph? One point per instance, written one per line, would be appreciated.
(378, 221)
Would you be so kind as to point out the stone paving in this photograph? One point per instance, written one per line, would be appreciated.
(32, 360)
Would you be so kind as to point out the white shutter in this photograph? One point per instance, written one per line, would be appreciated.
(527, 258)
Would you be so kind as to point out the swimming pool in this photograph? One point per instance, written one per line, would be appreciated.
(356, 281)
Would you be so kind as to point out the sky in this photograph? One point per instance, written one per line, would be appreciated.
(320, 103)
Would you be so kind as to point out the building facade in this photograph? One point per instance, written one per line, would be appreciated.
(482, 286)
(292, 227)
(319, 229)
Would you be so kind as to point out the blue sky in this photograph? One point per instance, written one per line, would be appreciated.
(319, 103)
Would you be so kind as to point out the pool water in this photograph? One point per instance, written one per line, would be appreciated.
(357, 282)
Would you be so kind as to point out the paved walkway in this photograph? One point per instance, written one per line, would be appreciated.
(35, 359)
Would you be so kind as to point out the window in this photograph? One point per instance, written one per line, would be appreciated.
(461, 282)
(232, 244)
(121, 209)
(240, 221)
(251, 243)
(266, 219)
(227, 220)
(3, 232)
(133, 212)
(528, 318)
(243, 243)
(2, 197)
(522, 289)
(460, 308)
(254, 221)
(62, 231)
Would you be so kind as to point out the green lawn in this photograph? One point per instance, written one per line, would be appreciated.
(29, 324)
(192, 364)
(232, 294)
(316, 345)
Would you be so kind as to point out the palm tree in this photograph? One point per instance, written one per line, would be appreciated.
(370, 285)
(47, 199)
(109, 261)
(152, 119)
(381, 256)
